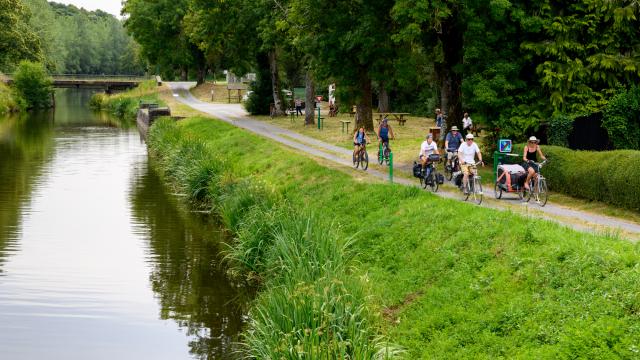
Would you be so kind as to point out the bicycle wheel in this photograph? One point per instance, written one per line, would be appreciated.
(497, 191)
(434, 181)
(526, 193)
(380, 158)
(386, 155)
(356, 160)
(448, 172)
(364, 162)
(542, 193)
(468, 188)
(477, 190)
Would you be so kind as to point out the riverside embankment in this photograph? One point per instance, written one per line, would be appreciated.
(436, 276)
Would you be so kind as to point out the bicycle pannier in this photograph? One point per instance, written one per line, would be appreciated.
(417, 170)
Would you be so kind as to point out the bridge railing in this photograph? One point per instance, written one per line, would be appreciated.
(90, 77)
(100, 77)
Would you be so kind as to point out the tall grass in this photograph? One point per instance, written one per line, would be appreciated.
(311, 305)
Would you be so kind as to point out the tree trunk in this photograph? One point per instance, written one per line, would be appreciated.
(364, 106)
(309, 99)
(202, 72)
(451, 81)
(383, 98)
(184, 73)
(275, 83)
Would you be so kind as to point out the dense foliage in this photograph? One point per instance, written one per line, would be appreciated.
(67, 39)
(17, 40)
(512, 64)
(33, 85)
(500, 286)
(622, 119)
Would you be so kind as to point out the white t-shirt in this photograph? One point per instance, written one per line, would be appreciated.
(469, 152)
(427, 149)
(466, 122)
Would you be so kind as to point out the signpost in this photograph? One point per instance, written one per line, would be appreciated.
(318, 99)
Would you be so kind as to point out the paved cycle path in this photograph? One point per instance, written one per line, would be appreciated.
(237, 116)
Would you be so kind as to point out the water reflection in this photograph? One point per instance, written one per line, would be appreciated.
(97, 261)
(25, 147)
(185, 274)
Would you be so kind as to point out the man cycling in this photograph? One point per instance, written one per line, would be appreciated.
(452, 143)
(427, 148)
(384, 131)
(467, 154)
(360, 139)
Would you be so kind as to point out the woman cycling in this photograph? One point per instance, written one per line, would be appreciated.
(530, 158)
(360, 139)
(384, 131)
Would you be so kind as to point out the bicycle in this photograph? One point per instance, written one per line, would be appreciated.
(361, 158)
(537, 189)
(430, 175)
(383, 153)
(452, 167)
(474, 185)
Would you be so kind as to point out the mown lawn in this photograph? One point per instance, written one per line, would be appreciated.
(452, 280)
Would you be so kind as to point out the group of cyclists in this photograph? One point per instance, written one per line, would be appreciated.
(464, 149)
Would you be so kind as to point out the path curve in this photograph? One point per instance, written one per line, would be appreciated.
(237, 116)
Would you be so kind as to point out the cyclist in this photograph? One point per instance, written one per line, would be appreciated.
(467, 154)
(384, 131)
(452, 143)
(360, 139)
(530, 158)
(427, 148)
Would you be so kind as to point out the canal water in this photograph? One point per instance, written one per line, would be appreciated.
(98, 258)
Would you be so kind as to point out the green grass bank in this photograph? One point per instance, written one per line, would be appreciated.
(125, 105)
(340, 261)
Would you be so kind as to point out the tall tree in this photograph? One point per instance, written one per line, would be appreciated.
(345, 40)
(17, 40)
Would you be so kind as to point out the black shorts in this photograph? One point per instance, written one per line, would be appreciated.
(528, 165)
(358, 144)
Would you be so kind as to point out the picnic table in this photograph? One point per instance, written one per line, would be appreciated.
(400, 117)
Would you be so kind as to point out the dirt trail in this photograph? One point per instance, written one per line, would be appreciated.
(236, 115)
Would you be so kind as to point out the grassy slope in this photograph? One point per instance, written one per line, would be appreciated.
(455, 280)
(8, 99)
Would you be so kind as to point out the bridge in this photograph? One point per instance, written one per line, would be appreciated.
(108, 83)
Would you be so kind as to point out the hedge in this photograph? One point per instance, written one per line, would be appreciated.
(608, 176)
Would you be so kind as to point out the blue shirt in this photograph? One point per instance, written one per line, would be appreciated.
(454, 141)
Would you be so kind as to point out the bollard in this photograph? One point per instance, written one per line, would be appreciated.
(380, 155)
(391, 166)
(319, 116)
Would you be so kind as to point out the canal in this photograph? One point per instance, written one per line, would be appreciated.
(98, 258)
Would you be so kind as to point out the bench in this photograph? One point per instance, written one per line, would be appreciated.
(345, 122)
(399, 117)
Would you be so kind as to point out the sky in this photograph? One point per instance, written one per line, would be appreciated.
(110, 6)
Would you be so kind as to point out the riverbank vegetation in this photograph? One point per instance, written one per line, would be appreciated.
(9, 102)
(125, 105)
(33, 85)
(437, 277)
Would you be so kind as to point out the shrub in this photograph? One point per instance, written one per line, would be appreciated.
(609, 176)
(9, 101)
(560, 126)
(622, 119)
(33, 84)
